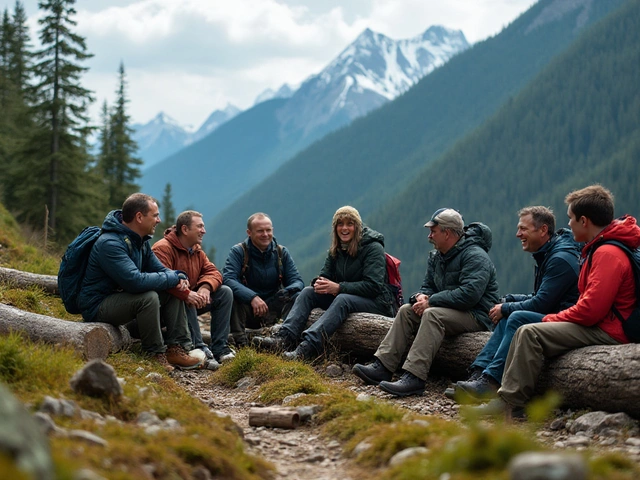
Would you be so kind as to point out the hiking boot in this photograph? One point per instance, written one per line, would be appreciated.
(276, 343)
(211, 364)
(178, 357)
(372, 374)
(475, 373)
(483, 388)
(304, 351)
(161, 358)
(407, 384)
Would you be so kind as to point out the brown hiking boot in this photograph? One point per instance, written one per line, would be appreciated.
(161, 358)
(178, 357)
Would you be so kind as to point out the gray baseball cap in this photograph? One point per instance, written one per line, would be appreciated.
(446, 218)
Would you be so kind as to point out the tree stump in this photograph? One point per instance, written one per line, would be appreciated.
(274, 417)
(91, 340)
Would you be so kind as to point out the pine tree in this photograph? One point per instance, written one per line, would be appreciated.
(52, 168)
(168, 210)
(119, 165)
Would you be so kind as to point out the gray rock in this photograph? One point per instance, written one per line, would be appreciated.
(333, 444)
(577, 441)
(363, 397)
(595, 422)
(333, 370)
(420, 422)
(315, 458)
(547, 466)
(46, 422)
(245, 383)
(87, 437)
(148, 418)
(53, 406)
(633, 441)
(290, 398)
(307, 412)
(558, 424)
(154, 377)
(201, 473)
(97, 379)
(610, 432)
(21, 435)
(89, 415)
(363, 446)
(403, 455)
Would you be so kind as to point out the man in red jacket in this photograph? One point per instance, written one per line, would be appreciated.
(180, 249)
(606, 281)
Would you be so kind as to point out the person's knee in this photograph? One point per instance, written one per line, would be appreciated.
(224, 294)
(307, 291)
(149, 300)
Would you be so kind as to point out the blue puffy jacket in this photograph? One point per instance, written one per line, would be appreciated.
(121, 261)
(262, 274)
(555, 286)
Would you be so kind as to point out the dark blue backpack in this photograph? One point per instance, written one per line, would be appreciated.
(631, 325)
(73, 267)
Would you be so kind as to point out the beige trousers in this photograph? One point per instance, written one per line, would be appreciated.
(429, 330)
(532, 344)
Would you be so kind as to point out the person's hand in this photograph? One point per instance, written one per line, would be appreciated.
(205, 294)
(260, 308)
(495, 314)
(183, 285)
(195, 299)
(422, 303)
(326, 286)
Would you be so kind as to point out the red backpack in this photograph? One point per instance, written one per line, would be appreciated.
(394, 280)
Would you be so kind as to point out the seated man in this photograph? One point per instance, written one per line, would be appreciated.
(459, 288)
(606, 284)
(555, 288)
(264, 280)
(124, 281)
(181, 249)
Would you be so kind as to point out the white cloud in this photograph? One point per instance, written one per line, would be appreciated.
(189, 57)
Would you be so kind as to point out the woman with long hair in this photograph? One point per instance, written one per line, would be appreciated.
(353, 279)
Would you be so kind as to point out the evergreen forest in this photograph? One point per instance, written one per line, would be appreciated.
(51, 181)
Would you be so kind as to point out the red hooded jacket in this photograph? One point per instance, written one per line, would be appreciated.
(605, 281)
(194, 263)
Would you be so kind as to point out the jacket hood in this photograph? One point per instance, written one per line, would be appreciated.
(623, 229)
(113, 223)
(563, 240)
(479, 234)
(370, 236)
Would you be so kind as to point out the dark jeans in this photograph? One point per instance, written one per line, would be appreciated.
(493, 356)
(220, 308)
(337, 309)
(242, 317)
(150, 311)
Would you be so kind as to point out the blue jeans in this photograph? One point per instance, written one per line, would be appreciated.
(337, 309)
(220, 308)
(493, 356)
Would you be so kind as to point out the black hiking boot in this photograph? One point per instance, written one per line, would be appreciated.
(485, 387)
(407, 384)
(372, 374)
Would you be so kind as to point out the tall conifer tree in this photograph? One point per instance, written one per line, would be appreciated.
(119, 164)
(52, 171)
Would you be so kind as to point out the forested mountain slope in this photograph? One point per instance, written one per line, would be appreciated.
(374, 159)
(577, 123)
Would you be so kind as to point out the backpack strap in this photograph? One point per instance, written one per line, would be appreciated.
(279, 250)
(245, 262)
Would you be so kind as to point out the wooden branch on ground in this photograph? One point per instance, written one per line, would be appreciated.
(92, 340)
(598, 377)
(49, 283)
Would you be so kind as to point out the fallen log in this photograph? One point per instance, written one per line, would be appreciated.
(49, 283)
(597, 377)
(91, 340)
(274, 417)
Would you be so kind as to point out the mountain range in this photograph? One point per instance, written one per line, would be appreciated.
(253, 144)
(163, 136)
(373, 161)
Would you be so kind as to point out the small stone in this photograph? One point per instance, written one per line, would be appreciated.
(244, 383)
(633, 441)
(610, 432)
(86, 474)
(363, 446)
(252, 440)
(559, 445)
(89, 415)
(87, 437)
(154, 377)
(333, 370)
(315, 458)
(403, 455)
(557, 466)
(363, 397)
(290, 398)
(288, 443)
(305, 413)
(201, 473)
(333, 444)
(577, 441)
(557, 424)
(139, 370)
(607, 441)
(97, 379)
(45, 421)
(420, 422)
(148, 418)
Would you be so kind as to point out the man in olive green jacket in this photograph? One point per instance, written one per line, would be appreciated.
(459, 289)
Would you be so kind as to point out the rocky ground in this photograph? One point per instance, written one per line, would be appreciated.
(303, 453)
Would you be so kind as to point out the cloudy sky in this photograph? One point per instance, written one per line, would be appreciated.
(191, 57)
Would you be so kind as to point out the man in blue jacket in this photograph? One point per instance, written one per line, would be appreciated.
(263, 277)
(124, 281)
(557, 257)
